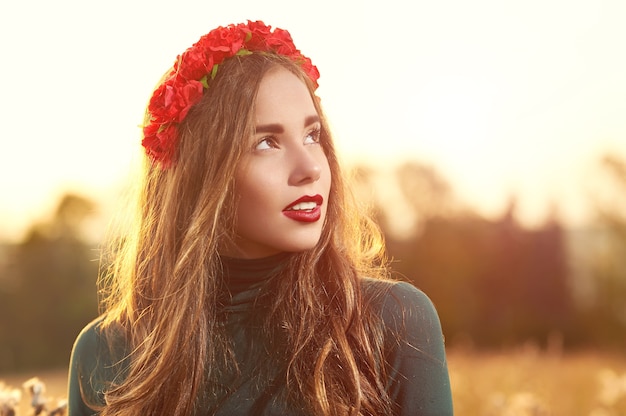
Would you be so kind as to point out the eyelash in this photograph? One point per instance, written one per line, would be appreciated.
(315, 133)
(271, 142)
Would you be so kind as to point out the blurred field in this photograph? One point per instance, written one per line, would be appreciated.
(532, 382)
(521, 382)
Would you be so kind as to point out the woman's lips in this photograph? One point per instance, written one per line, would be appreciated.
(305, 209)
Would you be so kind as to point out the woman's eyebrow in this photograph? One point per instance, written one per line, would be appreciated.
(274, 128)
(311, 120)
(277, 128)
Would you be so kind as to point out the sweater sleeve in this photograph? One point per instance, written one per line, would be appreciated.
(419, 382)
(91, 369)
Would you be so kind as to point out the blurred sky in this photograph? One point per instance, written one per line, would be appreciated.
(503, 97)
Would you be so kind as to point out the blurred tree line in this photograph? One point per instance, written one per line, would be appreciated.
(494, 282)
(47, 289)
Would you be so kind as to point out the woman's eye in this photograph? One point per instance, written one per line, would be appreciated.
(313, 136)
(266, 143)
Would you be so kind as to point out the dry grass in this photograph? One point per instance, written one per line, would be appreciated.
(55, 381)
(522, 382)
(531, 382)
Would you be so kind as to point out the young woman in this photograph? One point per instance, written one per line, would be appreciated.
(251, 283)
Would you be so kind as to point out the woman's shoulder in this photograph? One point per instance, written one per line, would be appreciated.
(399, 299)
(90, 336)
(408, 315)
(95, 342)
(414, 348)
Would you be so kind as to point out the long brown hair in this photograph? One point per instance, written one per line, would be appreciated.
(165, 286)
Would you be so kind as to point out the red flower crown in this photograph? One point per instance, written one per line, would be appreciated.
(185, 83)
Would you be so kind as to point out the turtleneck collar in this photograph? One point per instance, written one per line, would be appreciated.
(246, 277)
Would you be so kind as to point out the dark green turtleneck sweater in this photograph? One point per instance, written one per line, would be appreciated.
(419, 382)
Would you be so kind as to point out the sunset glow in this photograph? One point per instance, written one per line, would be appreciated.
(503, 98)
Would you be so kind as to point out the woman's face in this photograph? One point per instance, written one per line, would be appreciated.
(283, 182)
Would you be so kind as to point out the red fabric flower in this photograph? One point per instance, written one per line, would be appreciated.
(183, 87)
(178, 101)
(160, 142)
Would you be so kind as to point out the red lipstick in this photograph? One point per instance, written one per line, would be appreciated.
(305, 209)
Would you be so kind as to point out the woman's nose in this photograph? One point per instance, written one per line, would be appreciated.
(306, 166)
